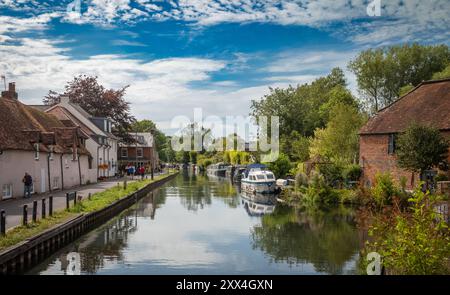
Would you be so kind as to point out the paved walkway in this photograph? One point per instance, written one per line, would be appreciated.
(14, 207)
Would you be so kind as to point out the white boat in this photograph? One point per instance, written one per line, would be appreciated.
(258, 180)
(217, 170)
(258, 204)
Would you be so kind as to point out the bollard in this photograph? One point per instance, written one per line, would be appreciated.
(43, 209)
(2, 223)
(89, 196)
(124, 184)
(67, 201)
(34, 211)
(25, 215)
(50, 206)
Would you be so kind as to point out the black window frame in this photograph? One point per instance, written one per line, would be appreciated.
(392, 146)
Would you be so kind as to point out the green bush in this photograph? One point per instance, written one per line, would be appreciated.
(352, 172)
(319, 192)
(281, 166)
(348, 196)
(415, 242)
(384, 189)
(403, 182)
(332, 173)
(441, 177)
(301, 180)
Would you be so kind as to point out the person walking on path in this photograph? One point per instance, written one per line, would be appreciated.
(28, 185)
(132, 171)
(142, 172)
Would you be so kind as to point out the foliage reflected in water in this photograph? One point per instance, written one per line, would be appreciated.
(327, 239)
(282, 242)
(198, 193)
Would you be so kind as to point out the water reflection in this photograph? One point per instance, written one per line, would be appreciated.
(199, 225)
(258, 204)
(327, 239)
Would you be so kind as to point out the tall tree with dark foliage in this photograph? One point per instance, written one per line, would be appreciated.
(99, 102)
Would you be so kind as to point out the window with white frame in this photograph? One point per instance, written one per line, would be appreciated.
(50, 156)
(124, 152)
(36, 151)
(139, 152)
(55, 182)
(7, 190)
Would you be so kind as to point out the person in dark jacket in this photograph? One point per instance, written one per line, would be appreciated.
(28, 185)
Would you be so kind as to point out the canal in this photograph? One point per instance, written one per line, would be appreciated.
(198, 225)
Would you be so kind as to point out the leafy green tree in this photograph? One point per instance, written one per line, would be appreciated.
(94, 98)
(299, 107)
(281, 166)
(415, 242)
(339, 141)
(295, 146)
(381, 73)
(405, 89)
(183, 157)
(162, 143)
(369, 70)
(167, 153)
(445, 74)
(420, 148)
(193, 157)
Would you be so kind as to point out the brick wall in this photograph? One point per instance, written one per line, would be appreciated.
(374, 158)
(147, 153)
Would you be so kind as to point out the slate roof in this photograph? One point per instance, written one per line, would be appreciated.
(428, 103)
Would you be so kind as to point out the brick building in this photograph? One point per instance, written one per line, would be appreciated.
(140, 153)
(428, 103)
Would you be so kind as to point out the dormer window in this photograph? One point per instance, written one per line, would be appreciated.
(36, 151)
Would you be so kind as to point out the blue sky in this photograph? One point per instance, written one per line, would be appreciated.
(218, 55)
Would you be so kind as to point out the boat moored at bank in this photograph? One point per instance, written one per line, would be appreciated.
(257, 179)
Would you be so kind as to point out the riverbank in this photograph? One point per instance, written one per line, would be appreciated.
(26, 245)
(238, 239)
(14, 207)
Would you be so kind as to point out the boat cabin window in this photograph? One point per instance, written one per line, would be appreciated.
(270, 176)
(260, 176)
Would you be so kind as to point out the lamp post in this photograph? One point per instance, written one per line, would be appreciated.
(153, 152)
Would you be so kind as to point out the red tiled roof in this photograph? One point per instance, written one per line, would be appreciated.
(428, 103)
(21, 126)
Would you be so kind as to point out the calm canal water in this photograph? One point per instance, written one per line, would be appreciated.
(198, 225)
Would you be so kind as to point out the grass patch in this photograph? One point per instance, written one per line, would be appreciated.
(21, 233)
(98, 201)
(101, 200)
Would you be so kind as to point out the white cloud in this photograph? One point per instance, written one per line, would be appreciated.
(293, 61)
(159, 89)
(127, 43)
(410, 20)
(10, 24)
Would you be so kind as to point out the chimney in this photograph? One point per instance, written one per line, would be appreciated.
(11, 92)
(64, 99)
